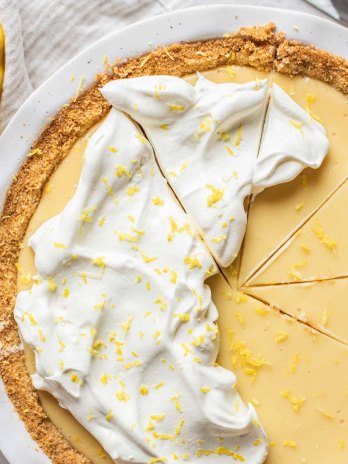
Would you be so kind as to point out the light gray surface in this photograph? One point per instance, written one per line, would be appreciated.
(170, 5)
(342, 8)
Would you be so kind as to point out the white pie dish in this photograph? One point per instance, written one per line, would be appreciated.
(210, 21)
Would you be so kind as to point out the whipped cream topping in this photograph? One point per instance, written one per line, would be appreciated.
(292, 141)
(207, 139)
(121, 322)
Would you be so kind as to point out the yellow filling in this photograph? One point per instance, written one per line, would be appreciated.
(319, 249)
(298, 387)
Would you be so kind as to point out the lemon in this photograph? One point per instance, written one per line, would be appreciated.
(2, 56)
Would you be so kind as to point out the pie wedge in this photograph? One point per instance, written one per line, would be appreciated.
(316, 251)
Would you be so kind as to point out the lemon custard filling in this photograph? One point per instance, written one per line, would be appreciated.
(286, 445)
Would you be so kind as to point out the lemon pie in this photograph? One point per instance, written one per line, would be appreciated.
(124, 238)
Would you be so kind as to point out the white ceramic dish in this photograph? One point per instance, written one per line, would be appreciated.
(183, 25)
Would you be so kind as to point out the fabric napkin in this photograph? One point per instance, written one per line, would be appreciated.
(16, 85)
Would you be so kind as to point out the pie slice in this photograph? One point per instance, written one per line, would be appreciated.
(207, 142)
(293, 375)
(320, 304)
(286, 207)
(319, 250)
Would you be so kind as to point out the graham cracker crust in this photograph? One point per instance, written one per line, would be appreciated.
(259, 47)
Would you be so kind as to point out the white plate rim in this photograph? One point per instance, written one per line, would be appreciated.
(210, 21)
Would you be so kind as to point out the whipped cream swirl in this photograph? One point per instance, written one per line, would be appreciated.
(121, 322)
(207, 141)
(292, 140)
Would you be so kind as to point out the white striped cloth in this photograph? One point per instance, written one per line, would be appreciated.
(16, 81)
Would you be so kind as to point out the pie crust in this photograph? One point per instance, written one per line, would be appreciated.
(259, 47)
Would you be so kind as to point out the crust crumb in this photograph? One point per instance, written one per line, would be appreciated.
(296, 59)
(259, 34)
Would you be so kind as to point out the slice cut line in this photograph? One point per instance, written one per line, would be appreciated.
(284, 243)
(321, 304)
(316, 251)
